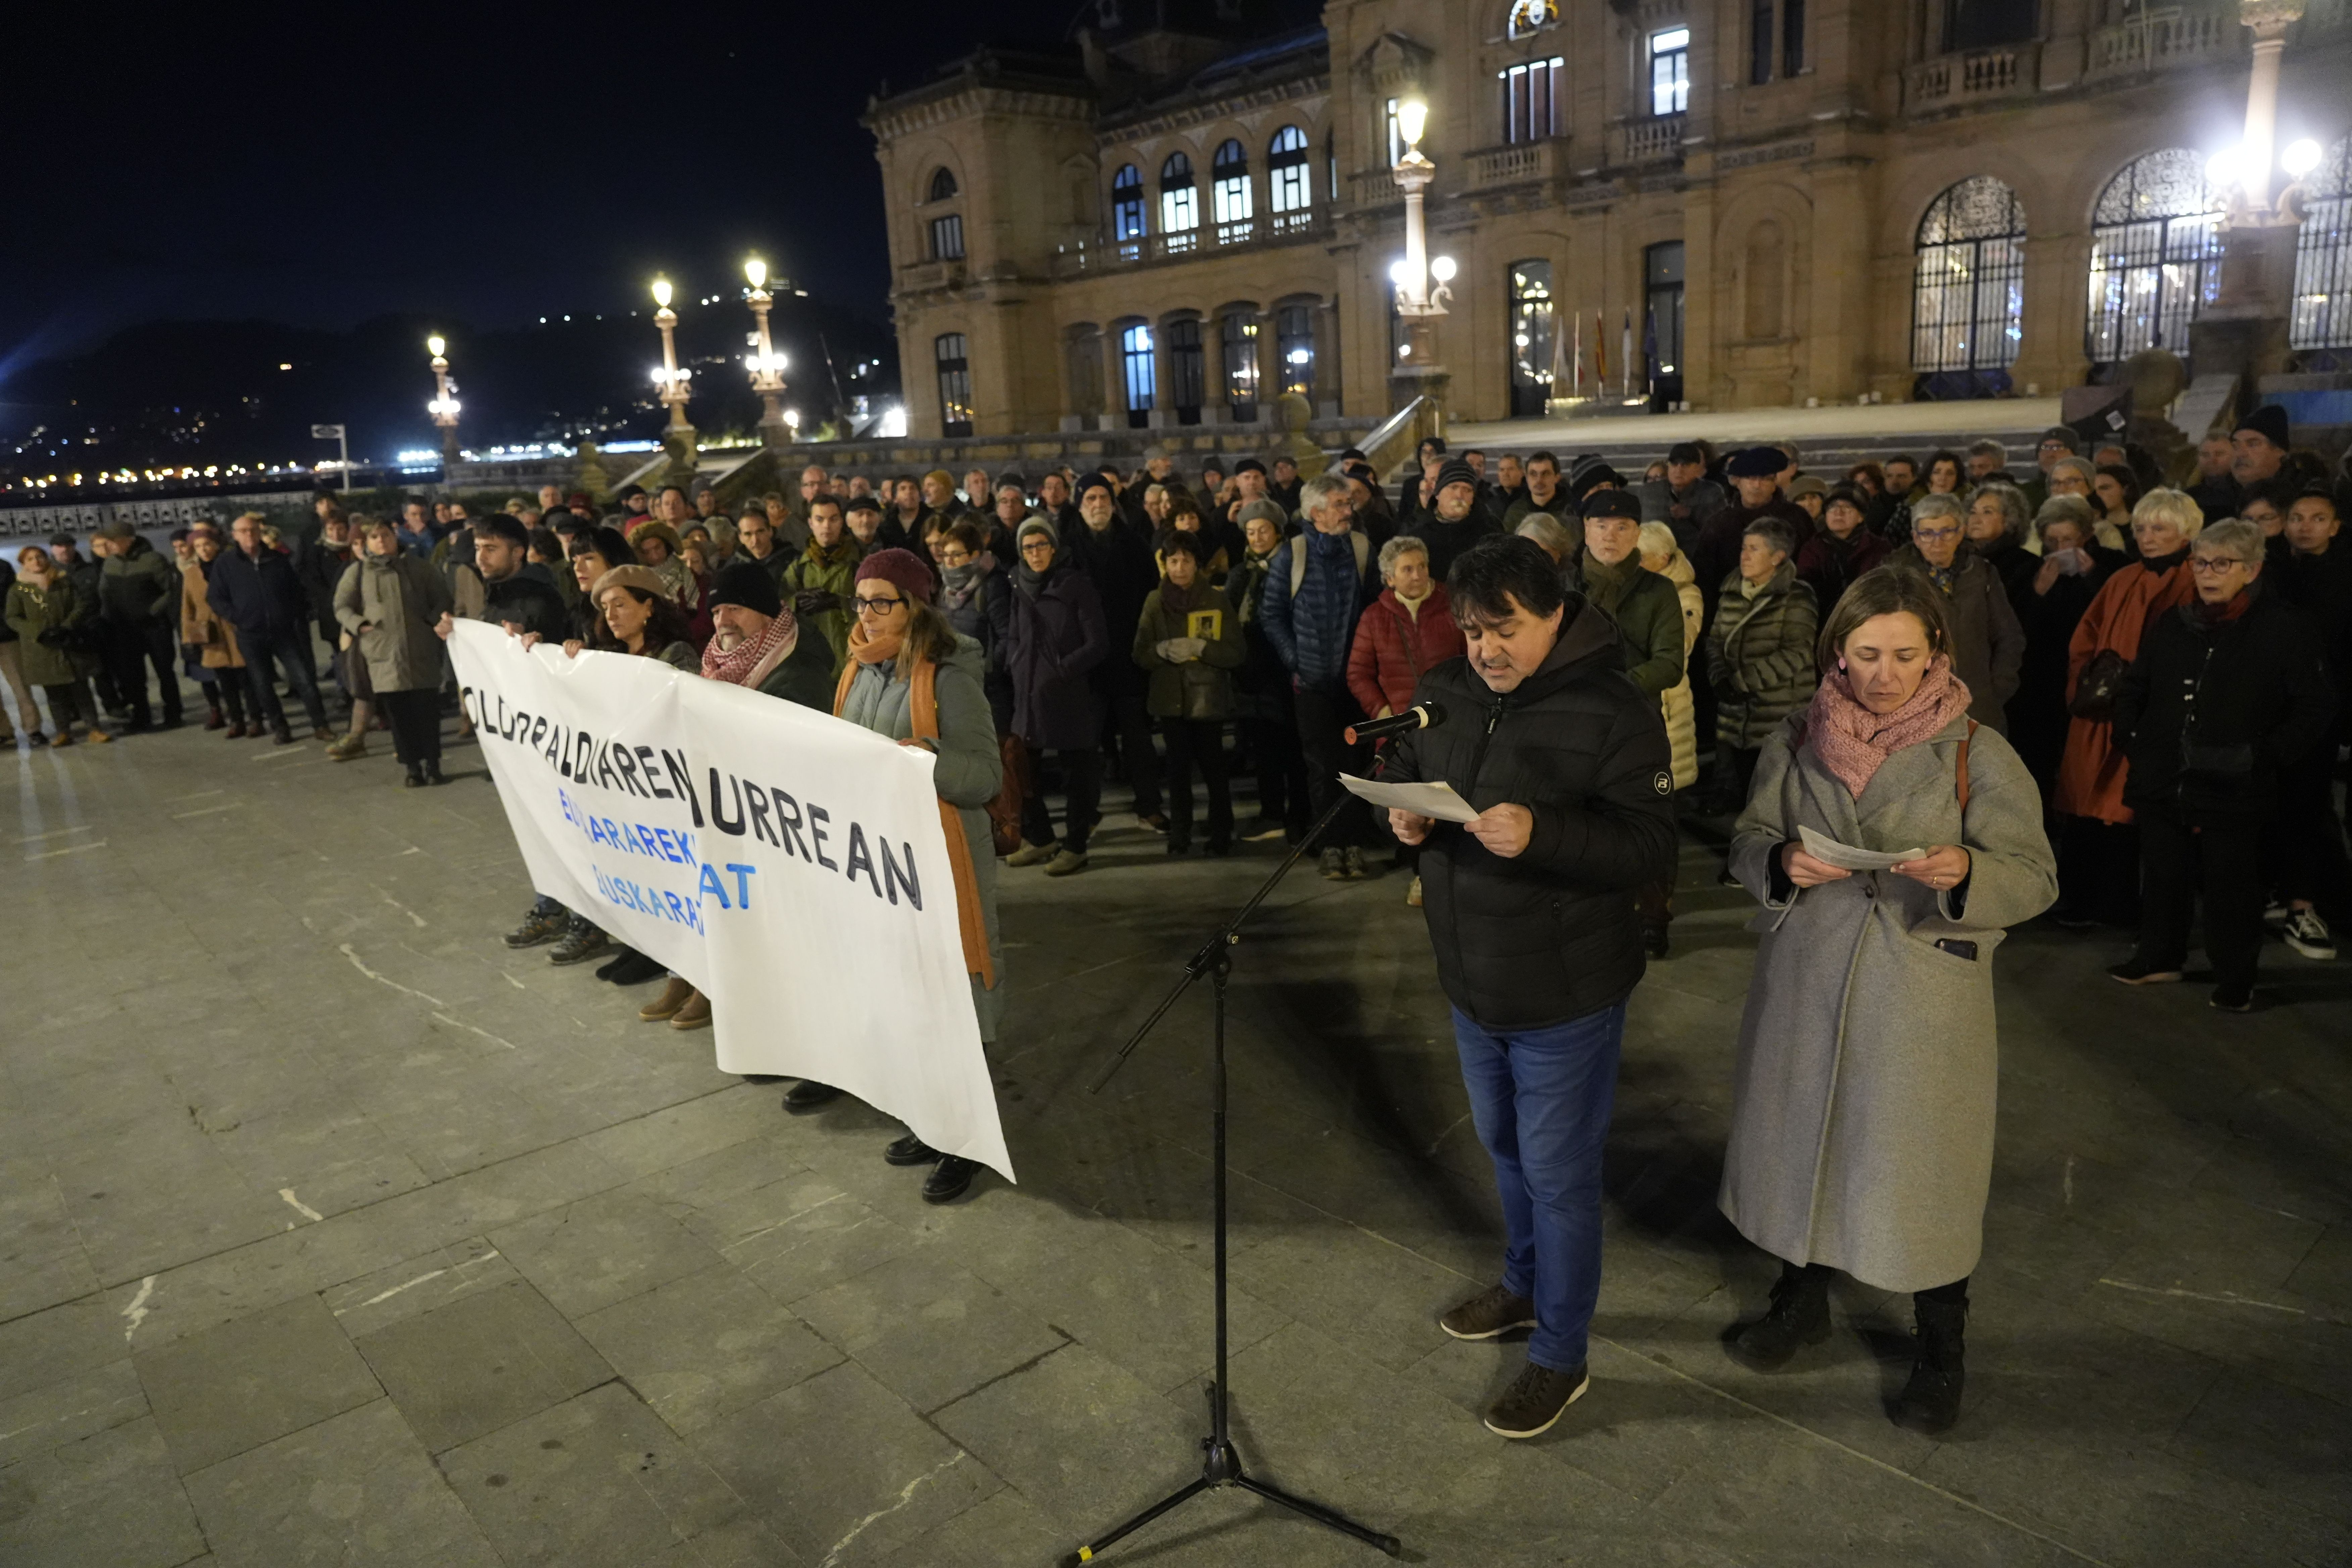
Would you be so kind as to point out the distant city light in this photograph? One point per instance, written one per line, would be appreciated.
(413, 456)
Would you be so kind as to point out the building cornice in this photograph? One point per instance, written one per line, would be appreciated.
(1209, 111)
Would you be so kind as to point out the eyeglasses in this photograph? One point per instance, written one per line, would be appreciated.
(878, 604)
(1936, 534)
(2213, 565)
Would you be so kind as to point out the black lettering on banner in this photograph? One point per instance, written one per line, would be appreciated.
(894, 878)
(860, 858)
(627, 765)
(818, 816)
(788, 823)
(719, 817)
(755, 801)
(517, 719)
(645, 761)
(555, 744)
(676, 763)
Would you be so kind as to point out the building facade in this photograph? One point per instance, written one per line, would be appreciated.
(1764, 201)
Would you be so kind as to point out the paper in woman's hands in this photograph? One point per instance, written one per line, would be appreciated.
(1434, 800)
(1846, 858)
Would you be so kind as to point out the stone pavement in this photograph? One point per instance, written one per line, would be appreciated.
(331, 1231)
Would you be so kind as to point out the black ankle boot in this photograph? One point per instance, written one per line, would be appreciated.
(1931, 1401)
(1799, 1316)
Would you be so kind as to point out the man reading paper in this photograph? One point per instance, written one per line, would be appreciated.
(1531, 912)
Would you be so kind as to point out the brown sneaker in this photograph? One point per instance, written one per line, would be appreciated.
(666, 1005)
(1537, 1397)
(1493, 1311)
(695, 1015)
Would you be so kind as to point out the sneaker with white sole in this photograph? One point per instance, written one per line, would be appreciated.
(1538, 1397)
(2308, 934)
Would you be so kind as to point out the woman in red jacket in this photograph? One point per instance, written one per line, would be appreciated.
(1401, 635)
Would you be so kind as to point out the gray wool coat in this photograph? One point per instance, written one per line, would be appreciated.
(1863, 1106)
(399, 599)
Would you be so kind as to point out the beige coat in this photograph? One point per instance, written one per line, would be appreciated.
(199, 627)
(1862, 1114)
(1675, 702)
(399, 599)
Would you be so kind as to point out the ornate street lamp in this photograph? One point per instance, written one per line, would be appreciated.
(1417, 374)
(670, 378)
(444, 406)
(2244, 331)
(767, 366)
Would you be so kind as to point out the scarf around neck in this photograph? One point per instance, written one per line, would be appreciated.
(1181, 602)
(749, 659)
(871, 648)
(1854, 742)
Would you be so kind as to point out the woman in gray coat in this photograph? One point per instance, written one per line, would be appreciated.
(390, 604)
(1862, 1110)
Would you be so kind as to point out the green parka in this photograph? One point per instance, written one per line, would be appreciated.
(1200, 688)
(32, 611)
(1759, 656)
(1649, 615)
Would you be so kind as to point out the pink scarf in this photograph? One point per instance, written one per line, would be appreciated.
(743, 666)
(1854, 742)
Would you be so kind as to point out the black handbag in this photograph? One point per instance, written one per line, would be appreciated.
(2094, 694)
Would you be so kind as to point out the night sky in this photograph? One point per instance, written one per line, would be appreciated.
(324, 164)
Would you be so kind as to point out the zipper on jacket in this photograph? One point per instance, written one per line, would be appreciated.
(1478, 751)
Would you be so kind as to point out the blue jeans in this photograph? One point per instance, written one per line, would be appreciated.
(291, 654)
(1541, 1100)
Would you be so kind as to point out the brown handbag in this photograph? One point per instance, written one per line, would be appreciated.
(2103, 679)
(1004, 810)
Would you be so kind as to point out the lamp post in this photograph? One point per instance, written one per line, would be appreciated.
(1417, 372)
(670, 378)
(2244, 331)
(767, 366)
(444, 406)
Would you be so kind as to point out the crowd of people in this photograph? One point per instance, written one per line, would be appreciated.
(2089, 689)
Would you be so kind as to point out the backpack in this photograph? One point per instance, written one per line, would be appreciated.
(1363, 548)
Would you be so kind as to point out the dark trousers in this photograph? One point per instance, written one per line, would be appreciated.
(1197, 743)
(227, 691)
(2220, 860)
(129, 650)
(1281, 770)
(1129, 725)
(2099, 870)
(1323, 718)
(2303, 844)
(291, 653)
(1082, 793)
(65, 701)
(416, 720)
(1541, 1100)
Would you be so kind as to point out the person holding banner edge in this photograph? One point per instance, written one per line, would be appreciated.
(913, 679)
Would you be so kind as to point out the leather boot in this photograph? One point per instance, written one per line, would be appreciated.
(695, 1015)
(666, 1005)
(1931, 1401)
(1799, 1316)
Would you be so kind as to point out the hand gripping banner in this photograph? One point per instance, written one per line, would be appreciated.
(789, 865)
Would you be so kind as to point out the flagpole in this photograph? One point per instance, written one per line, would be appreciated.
(1576, 325)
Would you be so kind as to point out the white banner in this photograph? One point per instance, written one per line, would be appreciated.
(790, 865)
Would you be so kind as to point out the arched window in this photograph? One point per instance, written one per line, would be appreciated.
(1127, 223)
(1533, 16)
(1230, 201)
(1187, 369)
(1240, 340)
(1293, 346)
(2156, 256)
(1180, 204)
(943, 185)
(1967, 290)
(1531, 336)
(2321, 316)
(955, 384)
(1139, 372)
(1291, 187)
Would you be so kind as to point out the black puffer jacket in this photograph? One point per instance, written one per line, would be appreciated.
(1549, 935)
(2209, 714)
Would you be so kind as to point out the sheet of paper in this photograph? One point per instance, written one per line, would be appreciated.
(1437, 800)
(1846, 858)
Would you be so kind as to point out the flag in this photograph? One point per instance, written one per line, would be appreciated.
(1628, 356)
(1650, 347)
(1599, 354)
(1578, 370)
(1560, 379)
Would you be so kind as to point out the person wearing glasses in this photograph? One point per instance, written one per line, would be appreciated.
(1987, 645)
(913, 679)
(2229, 689)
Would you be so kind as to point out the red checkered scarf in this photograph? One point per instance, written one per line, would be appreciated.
(749, 659)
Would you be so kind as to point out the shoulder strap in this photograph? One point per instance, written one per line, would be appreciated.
(1297, 564)
(1363, 548)
(1962, 783)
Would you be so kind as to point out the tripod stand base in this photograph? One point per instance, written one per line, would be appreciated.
(1222, 1466)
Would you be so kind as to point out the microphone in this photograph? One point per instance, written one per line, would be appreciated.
(1427, 716)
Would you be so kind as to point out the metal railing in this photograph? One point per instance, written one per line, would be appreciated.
(1398, 437)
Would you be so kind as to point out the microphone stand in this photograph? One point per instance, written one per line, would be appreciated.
(1221, 1462)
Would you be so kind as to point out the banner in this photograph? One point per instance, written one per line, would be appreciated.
(791, 866)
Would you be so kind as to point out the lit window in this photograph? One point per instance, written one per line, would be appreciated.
(1127, 208)
(955, 384)
(1534, 100)
(1291, 187)
(1180, 200)
(1230, 200)
(1670, 71)
(1142, 374)
(947, 238)
(1395, 136)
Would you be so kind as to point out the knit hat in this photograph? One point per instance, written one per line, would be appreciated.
(1756, 463)
(1612, 503)
(1096, 482)
(1269, 509)
(644, 579)
(902, 567)
(1589, 474)
(1035, 523)
(2270, 423)
(747, 583)
(1454, 471)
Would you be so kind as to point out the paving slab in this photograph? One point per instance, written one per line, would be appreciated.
(356, 1487)
(113, 1498)
(599, 1250)
(479, 1363)
(244, 1383)
(707, 1345)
